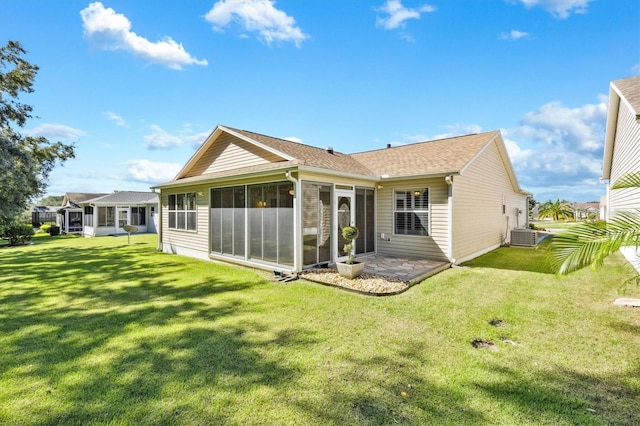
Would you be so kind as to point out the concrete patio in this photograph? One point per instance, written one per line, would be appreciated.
(401, 268)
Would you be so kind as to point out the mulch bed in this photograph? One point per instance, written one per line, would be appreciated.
(365, 283)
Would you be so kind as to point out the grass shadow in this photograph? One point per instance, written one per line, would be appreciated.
(389, 389)
(562, 396)
(90, 331)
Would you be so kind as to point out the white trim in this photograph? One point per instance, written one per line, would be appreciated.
(297, 220)
(214, 257)
(330, 172)
(210, 140)
(198, 154)
(393, 210)
(351, 194)
(504, 155)
(610, 131)
(632, 254)
(258, 144)
(476, 254)
(479, 152)
(385, 178)
(186, 211)
(183, 251)
(205, 179)
(449, 180)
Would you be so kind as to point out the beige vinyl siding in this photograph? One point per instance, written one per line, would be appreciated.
(626, 158)
(194, 240)
(199, 239)
(319, 177)
(229, 152)
(478, 221)
(435, 246)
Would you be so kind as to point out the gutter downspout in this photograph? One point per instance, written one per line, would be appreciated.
(159, 222)
(94, 209)
(449, 180)
(296, 211)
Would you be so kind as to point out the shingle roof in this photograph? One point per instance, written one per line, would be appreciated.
(309, 155)
(425, 158)
(586, 206)
(45, 209)
(258, 168)
(74, 198)
(630, 90)
(125, 197)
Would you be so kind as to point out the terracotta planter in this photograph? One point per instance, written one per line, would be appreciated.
(350, 270)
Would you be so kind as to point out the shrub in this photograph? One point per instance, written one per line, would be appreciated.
(45, 228)
(54, 230)
(349, 233)
(17, 233)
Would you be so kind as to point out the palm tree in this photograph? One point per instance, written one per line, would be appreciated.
(555, 210)
(591, 242)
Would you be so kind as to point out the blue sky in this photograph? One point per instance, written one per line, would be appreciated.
(138, 85)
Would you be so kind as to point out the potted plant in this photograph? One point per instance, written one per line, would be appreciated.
(350, 268)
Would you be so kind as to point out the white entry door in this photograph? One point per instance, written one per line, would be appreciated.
(345, 215)
(122, 218)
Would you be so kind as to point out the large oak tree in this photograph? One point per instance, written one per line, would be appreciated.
(25, 162)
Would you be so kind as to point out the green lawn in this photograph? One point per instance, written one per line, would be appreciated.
(96, 331)
(551, 225)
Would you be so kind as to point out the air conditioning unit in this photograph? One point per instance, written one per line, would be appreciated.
(524, 237)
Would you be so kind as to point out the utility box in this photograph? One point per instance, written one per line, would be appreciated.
(524, 237)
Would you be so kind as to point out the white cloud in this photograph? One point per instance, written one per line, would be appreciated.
(116, 119)
(557, 150)
(152, 172)
(397, 14)
(161, 139)
(635, 70)
(452, 131)
(114, 31)
(514, 35)
(561, 9)
(580, 129)
(54, 131)
(293, 139)
(259, 16)
(457, 130)
(517, 154)
(196, 139)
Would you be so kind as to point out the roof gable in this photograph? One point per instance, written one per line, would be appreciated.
(228, 152)
(425, 158)
(629, 90)
(73, 199)
(312, 156)
(220, 157)
(625, 91)
(229, 149)
(226, 149)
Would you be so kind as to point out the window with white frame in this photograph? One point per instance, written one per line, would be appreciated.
(138, 216)
(411, 212)
(106, 216)
(182, 211)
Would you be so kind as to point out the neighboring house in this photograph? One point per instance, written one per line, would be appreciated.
(70, 215)
(585, 210)
(43, 214)
(622, 147)
(108, 214)
(93, 214)
(266, 202)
